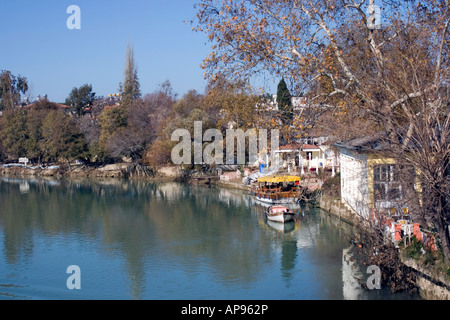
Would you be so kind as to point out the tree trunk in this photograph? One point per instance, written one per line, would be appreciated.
(445, 238)
(443, 227)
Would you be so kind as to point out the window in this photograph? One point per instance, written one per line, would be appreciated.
(386, 184)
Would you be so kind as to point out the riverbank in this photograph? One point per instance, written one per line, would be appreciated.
(117, 170)
(60, 171)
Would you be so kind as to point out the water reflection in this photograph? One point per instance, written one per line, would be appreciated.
(143, 240)
(351, 277)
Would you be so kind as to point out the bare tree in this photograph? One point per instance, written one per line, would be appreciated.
(397, 70)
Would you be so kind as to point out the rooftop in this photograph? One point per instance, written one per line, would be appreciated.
(298, 146)
(376, 142)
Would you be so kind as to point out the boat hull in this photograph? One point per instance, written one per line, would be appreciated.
(277, 201)
(281, 217)
(280, 214)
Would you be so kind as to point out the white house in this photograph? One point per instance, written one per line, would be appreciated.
(354, 180)
(369, 178)
(305, 156)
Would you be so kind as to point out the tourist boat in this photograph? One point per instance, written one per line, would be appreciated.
(279, 214)
(273, 190)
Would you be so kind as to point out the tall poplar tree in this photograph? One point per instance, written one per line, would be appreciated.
(130, 89)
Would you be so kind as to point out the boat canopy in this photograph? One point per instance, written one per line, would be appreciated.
(278, 178)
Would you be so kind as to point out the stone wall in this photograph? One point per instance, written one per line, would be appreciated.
(170, 172)
(338, 209)
(432, 286)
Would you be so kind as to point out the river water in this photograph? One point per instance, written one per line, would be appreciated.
(166, 241)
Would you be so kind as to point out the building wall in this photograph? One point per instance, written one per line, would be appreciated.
(354, 181)
(358, 185)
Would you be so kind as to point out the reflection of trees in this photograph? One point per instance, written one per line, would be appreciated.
(202, 228)
(106, 209)
(190, 223)
(288, 255)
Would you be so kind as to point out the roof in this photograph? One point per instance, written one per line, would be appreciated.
(310, 147)
(291, 146)
(298, 146)
(59, 105)
(276, 178)
(376, 142)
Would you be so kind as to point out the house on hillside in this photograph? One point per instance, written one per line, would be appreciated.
(304, 157)
(44, 101)
(59, 105)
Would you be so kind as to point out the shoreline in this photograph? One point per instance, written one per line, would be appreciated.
(62, 171)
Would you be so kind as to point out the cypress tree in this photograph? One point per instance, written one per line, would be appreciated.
(284, 102)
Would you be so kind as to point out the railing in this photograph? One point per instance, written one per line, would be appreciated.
(275, 194)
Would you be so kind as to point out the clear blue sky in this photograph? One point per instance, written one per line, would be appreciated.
(37, 44)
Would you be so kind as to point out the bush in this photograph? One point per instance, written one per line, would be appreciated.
(332, 187)
(415, 249)
(158, 153)
(418, 251)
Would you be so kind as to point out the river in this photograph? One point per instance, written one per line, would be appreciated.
(166, 241)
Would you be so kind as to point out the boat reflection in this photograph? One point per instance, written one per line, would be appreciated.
(286, 227)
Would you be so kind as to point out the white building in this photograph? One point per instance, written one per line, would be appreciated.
(369, 178)
(355, 181)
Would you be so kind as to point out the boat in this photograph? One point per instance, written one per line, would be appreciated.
(273, 190)
(280, 214)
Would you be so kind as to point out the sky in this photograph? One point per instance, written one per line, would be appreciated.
(37, 44)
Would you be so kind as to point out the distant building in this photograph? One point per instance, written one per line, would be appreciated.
(305, 157)
(299, 103)
(63, 107)
(59, 105)
(271, 104)
(103, 103)
(267, 103)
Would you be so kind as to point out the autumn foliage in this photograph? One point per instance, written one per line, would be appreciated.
(387, 72)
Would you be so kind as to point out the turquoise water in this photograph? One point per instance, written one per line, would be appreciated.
(165, 241)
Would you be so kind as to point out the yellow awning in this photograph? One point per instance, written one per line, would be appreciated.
(276, 179)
